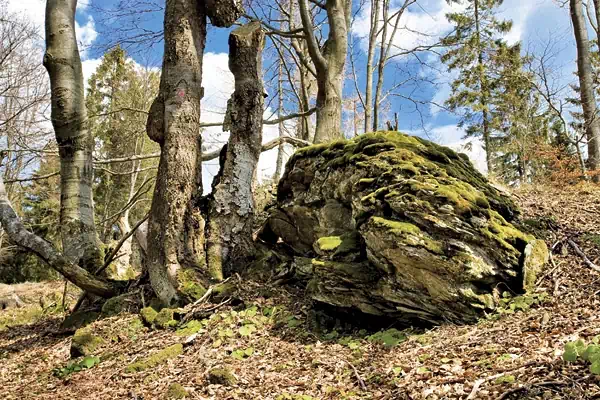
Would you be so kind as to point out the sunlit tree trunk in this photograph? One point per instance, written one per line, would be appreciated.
(588, 100)
(232, 206)
(175, 240)
(75, 142)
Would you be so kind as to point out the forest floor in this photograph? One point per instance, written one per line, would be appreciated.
(265, 344)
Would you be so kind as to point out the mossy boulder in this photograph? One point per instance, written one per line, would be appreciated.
(399, 226)
(85, 342)
(118, 304)
(165, 318)
(148, 315)
(221, 376)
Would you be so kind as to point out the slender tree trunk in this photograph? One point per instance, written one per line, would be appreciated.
(280, 127)
(75, 142)
(122, 265)
(230, 213)
(588, 100)
(380, 66)
(375, 5)
(483, 98)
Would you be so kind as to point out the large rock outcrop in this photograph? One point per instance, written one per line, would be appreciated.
(395, 225)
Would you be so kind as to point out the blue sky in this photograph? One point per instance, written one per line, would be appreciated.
(535, 23)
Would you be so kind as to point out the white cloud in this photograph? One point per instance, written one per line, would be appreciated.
(218, 83)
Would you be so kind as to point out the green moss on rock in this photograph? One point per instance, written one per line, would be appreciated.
(165, 318)
(148, 315)
(118, 304)
(85, 343)
(221, 376)
(329, 243)
(190, 285)
(157, 358)
(176, 391)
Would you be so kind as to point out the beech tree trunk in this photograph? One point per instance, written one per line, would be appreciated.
(175, 241)
(588, 100)
(232, 206)
(329, 64)
(75, 141)
(174, 121)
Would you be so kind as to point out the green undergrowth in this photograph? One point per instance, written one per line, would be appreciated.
(580, 351)
(72, 366)
(522, 303)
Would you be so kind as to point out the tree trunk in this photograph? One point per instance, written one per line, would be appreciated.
(280, 126)
(122, 265)
(174, 124)
(75, 142)
(370, 69)
(329, 108)
(230, 213)
(175, 241)
(483, 99)
(588, 101)
(329, 65)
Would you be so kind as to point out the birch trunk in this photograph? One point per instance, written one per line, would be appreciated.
(75, 142)
(588, 100)
(232, 207)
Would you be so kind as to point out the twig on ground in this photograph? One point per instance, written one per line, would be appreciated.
(358, 378)
(64, 295)
(581, 254)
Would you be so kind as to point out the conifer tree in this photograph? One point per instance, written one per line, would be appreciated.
(471, 48)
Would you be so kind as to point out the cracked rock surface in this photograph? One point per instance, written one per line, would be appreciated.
(398, 226)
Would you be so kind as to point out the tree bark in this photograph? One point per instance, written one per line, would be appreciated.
(232, 206)
(329, 66)
(176, 227)
(17, 232)
(174, 124)
(375, 5)
(588, 100)
(483, 88)
(75, 142)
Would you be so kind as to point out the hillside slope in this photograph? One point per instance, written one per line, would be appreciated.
(262, 349)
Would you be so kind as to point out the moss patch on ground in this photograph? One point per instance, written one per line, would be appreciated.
(85, 342)
(157, 358)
